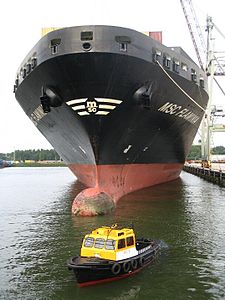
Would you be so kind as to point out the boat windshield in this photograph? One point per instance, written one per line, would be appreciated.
(110, 245)
(99, 243)
(89, 242)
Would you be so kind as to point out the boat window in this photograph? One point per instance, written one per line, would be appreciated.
(24, 72)
(121, 244)
(202, 83)
(123, 47)
(86, 46)
(89, 242)
(28, 67)
(123, 42)
(167, 61)
(33, 62)
(55, 42)
(130, 241)
(99, 243)
(110, 245)
(193, 75)
(123, 39)
(54, 45)
(86, 35)
(176, 64)
(156, 55)
(184, 67)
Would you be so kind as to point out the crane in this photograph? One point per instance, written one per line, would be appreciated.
(195, 30)
(213, 66)
(202, 50)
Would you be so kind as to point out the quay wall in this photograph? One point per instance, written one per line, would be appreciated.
(211, 175)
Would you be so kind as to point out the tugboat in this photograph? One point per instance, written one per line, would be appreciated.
(111, 253)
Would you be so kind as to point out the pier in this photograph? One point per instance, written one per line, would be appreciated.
(213, 175)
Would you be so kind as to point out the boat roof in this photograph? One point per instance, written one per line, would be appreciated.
(111, 232)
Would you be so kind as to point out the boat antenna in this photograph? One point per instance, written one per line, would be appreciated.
(114, 226)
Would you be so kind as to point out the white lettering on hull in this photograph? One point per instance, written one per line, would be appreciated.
(126, 253)
(37, 115)
(178, 111)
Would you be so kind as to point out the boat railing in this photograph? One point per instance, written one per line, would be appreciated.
(143, 243)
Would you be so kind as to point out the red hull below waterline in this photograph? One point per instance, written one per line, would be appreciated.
(119, 180)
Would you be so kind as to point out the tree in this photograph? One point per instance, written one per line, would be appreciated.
(218, 150)
(195, 153)
(35, 155)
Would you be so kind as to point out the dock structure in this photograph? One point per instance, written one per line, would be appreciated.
(214, 176)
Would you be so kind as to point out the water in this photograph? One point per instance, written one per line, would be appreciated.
(38, 234)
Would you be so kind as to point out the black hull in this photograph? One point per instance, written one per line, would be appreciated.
(165, 137)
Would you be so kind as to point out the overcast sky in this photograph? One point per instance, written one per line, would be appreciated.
(20, 29)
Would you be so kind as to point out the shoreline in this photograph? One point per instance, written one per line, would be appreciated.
(53, 164)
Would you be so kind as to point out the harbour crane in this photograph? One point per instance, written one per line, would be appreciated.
(194, 30)
(213, 66)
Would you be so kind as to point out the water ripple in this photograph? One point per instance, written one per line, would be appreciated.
(38, 234)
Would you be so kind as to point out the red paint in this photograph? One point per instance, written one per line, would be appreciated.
(119, 180)
(156, 35)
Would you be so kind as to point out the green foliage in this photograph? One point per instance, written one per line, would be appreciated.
(40, 164)
(36, 155)
(41, 154)
(218, 150)
(195, 153)
(5, 156)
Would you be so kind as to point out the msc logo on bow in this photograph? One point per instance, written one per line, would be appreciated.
(91, 106)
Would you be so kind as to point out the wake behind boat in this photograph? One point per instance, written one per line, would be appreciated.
(110, 253)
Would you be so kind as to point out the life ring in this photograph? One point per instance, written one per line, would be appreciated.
(116, 268)
(141, 261)
(126, 266)
(134, 264)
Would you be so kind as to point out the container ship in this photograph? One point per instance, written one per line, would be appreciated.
(119, 107)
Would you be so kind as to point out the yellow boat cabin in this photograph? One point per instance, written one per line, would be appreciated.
(110, 243)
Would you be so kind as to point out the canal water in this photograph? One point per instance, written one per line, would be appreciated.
(38, 234)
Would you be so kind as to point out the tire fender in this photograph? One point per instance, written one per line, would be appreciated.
(116, 268)
(141, 261)
(134, 264)
(126, 266)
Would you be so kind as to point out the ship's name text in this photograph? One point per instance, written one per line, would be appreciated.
(178, 111)
(37, 115)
